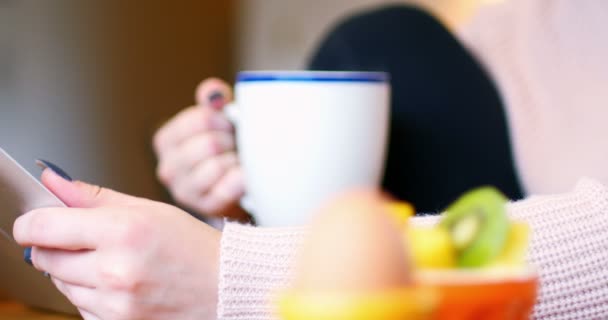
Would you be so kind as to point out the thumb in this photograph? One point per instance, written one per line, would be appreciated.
(77, 194)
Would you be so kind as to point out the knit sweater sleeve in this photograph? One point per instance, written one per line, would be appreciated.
(569, 247)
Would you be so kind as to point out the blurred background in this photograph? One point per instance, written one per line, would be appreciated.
(85, 84)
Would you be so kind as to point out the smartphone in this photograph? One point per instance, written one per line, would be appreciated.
(20, 192)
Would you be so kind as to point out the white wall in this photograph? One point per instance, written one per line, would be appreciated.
(281, 34)
(84, 83)
(44, 95)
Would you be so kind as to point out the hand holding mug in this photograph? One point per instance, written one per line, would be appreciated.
(197, 159)
(302, 136)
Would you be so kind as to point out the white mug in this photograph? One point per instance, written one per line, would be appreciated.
(304, 136)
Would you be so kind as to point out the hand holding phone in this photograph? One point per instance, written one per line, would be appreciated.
(20, 192)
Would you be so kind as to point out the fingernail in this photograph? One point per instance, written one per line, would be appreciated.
(46, 274)
(27, 255)
(216, 100)
(47, 164)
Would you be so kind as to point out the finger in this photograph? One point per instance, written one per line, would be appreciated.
(225, 193)
(213, 93)
(61, 228)
(83, 298)
(192, 151)
(187, 123)
(80, 194)
(188, 189)
(88, 315)
(231, 186)
(74, 267)
(209, 173)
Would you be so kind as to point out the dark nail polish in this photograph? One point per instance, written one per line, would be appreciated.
(216, 100)
(27, 255)
(47, 164)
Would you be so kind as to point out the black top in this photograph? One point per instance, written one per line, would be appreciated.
(448, 129)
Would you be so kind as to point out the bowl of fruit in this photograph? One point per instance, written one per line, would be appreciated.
(476, 259)
(364, 257)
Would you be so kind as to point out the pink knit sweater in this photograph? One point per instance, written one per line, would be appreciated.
(549, 59)
(569, 247)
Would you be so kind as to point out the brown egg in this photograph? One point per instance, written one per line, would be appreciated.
(353, 245)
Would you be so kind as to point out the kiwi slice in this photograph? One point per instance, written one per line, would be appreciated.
(478, 225)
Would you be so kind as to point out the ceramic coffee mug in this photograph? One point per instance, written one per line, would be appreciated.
(303, 136)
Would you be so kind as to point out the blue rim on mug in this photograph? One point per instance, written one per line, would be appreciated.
(313, 76)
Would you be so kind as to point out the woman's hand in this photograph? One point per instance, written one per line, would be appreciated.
(197, 156)
(119, 257)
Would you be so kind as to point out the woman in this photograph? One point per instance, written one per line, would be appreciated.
(120, 257)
